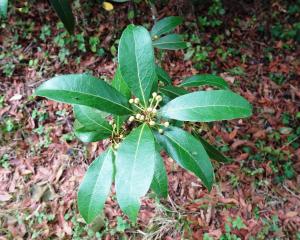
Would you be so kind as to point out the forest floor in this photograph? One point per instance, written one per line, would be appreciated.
(253, 47)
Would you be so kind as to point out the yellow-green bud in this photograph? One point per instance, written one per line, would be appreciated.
(166, 124)
(116, 146)
(111, 122)
(161, 131)
(121, 136)
(152, 123)
(136, 100)
(131, 100)
(154, 110)
(150, 99)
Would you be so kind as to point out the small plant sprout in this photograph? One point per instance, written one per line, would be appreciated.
(140, 118)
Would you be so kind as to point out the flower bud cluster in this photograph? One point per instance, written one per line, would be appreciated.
(147, 114)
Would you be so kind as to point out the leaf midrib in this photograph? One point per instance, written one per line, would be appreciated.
(96, 182)
(135, 157)
(138, 70)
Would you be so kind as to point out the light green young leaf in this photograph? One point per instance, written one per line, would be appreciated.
(64, 12)
(205, 79)
(84, 89)
(170, 42)
(134, 169)
(160, 179)
(136, 61)
(165, 25)
(188, 152)
(95, 186)
(119, 84)
(3, 8)
(207, 106)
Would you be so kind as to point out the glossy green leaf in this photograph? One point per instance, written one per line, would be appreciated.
(160, 179)
(64, 12)
(213, 152)
(207, 106)
(86, 135)
(170, 42)
(136, 61)
(188, 152)
(205, 79)
(165, 25)
(134, 169)
(95, 186)
(93, 125)
(162, 75)
(84, 89)
(92, 118)
(3, 8)
(119, 84)
(172, 91)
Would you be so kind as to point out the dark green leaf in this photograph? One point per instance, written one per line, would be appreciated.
(136, 61)
(188, 152)
(163, 75)
(134, 169)
(205, 79)
(160, 179)
(64, 12)
(95, 186)
(3, 8)
(172, 91)
(83, 89)
(165, 25)
(170, 42)
(213, 152)
(207, 106)
(119, 84)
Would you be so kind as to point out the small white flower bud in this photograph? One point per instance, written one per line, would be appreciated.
(116, 146)
(138, 116)
(131, 118)
(152, 123)
(111, 122)
(150, 99)
(131, 100)
(161, 131)
(121, 136)
(142, 117)
(114, 125)
(166, 124)
(154, 94)
(136, 100)
(154, 110)
(149, 109)
(158, 98)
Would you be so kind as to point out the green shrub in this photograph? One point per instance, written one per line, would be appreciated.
(141, 113)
